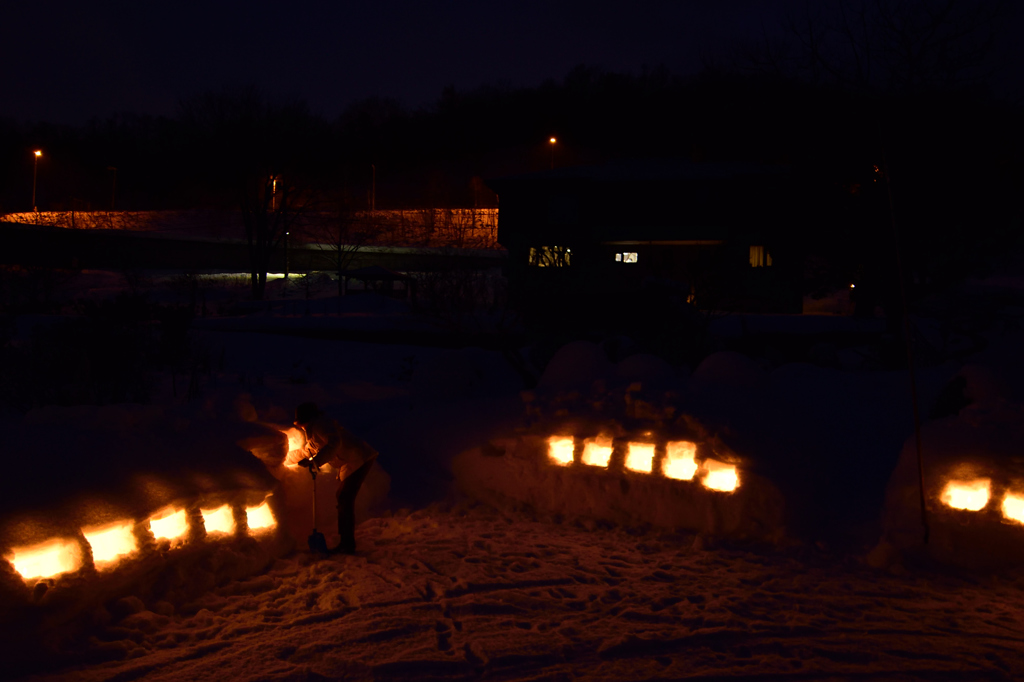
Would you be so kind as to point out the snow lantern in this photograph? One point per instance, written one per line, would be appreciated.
(259, 518)
(560, 450)
(171, 526)
(640, 457)
(219, 520)
(720, 476)
(1013, 507)
(47, 559)
(680, 460)
(111, 543)
(296, 446)
(969, 495)
(597, 452)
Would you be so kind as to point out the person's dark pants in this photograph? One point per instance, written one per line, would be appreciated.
(347, 507)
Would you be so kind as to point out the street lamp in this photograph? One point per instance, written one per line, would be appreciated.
(35, 169)
(552, 141)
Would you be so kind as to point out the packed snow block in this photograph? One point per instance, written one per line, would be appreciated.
(974, 489)
(628, 480)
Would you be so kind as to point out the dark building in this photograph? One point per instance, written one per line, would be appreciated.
(718, 236)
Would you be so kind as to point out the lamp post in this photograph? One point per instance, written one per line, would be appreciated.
(35, 169)
(552, 141)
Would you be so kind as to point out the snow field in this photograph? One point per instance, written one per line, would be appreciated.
(468, 592)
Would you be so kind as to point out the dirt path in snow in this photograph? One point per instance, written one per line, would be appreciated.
(474, 593)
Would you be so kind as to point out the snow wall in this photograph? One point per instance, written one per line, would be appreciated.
(973, 463)
(979, 449)
(520, 470)
(74, 471)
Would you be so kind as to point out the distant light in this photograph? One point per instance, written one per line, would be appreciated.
(40, 153)
(560, 450)
(680, 460)
(219, 520)
(259, 517)
(597, 452)
(853, 286)
(640, 457)
(171, 527)
(968, 495)
(552, 141)
(48, 559)
(110, 543)
(1013, 507)
(720, 476)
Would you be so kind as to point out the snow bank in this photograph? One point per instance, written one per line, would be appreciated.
(575, 365)
(523, 470)
(980, 451)
(103, 504)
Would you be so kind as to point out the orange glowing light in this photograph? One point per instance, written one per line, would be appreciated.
(552, 140)
(1013, 507)
(720, 476)
(171, 526)
(597, 451)
(969, 495)
(258, 518)
(640, 457)
(47, 559)
(219, 520)
(680, 460)
(111, 542)
(560, 450)
(38, 152)
(296, 446)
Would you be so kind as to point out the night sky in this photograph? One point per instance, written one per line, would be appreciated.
(69, 62)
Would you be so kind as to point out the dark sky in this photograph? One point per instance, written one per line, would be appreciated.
(71, 61)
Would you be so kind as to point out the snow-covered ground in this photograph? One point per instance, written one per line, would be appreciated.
(468, 592)
(459, 591)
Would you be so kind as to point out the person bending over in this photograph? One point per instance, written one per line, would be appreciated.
(329, 441)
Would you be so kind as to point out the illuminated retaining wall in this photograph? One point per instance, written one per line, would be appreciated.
(676, 484)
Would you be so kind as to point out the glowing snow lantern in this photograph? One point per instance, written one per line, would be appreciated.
(296, 446)
(720, 476)
(260, 517)
(47, 559)
(640, 457)
(219, 520)
(597, 451)
(680, 460)
(111, 542)
(171, 527)
(1013, 507)
(560, 450)
(968, 495)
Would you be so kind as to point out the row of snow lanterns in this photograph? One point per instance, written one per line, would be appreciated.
(111, 543)
(679, 463)
(974, 495)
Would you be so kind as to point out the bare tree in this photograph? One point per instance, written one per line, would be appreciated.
(267, 152)
(340, 234)
(272, 209)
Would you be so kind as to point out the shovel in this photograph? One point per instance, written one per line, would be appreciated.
(317, 541)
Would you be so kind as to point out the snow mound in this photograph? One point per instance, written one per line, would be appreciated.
(974, 489)
(728, 371)
(649, 370)
(575, 365)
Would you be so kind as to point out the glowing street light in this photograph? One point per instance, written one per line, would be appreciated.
(35, 168)
(552, 141)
